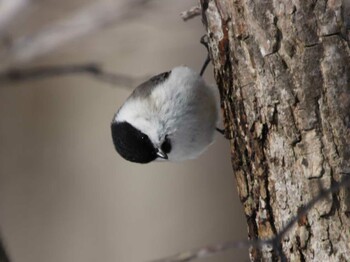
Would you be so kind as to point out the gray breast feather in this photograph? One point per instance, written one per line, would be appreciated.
(145, 89)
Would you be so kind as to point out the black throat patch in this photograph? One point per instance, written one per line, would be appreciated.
(132, 144)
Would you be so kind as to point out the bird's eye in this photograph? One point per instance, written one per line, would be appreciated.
(166, 146)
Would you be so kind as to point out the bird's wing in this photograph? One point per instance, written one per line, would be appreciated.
(145, 89)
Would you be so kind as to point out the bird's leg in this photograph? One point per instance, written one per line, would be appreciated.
(206, 62)
(221, 131)
(204, 41)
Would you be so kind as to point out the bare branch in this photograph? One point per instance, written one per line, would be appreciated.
(274, 242)
(89, 19)
(91, 69)
(191, 13)
(9, 9)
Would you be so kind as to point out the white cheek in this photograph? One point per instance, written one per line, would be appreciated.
(138, 114)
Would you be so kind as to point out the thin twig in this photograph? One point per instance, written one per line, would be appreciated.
(91, 69)
(191, 13)
(274, 242)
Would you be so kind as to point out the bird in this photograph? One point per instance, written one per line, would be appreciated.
(172, 116)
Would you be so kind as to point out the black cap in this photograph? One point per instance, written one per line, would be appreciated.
(132, 144)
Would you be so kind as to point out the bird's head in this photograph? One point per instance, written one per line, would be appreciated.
(135, 146)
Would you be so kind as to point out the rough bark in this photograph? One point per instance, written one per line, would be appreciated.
(283, 70)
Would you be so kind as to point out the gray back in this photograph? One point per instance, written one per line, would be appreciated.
(145, 89)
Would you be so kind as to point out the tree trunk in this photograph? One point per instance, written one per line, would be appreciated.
(283, 70)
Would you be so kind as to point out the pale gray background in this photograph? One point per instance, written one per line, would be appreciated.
(65, 194)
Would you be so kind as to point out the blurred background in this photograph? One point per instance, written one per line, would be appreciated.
(65, 194)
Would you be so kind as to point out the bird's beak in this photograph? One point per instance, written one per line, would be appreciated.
(161, 154)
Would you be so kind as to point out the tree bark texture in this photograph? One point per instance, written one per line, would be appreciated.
(283, 71)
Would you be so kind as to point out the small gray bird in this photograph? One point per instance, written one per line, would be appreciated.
(171, 116)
